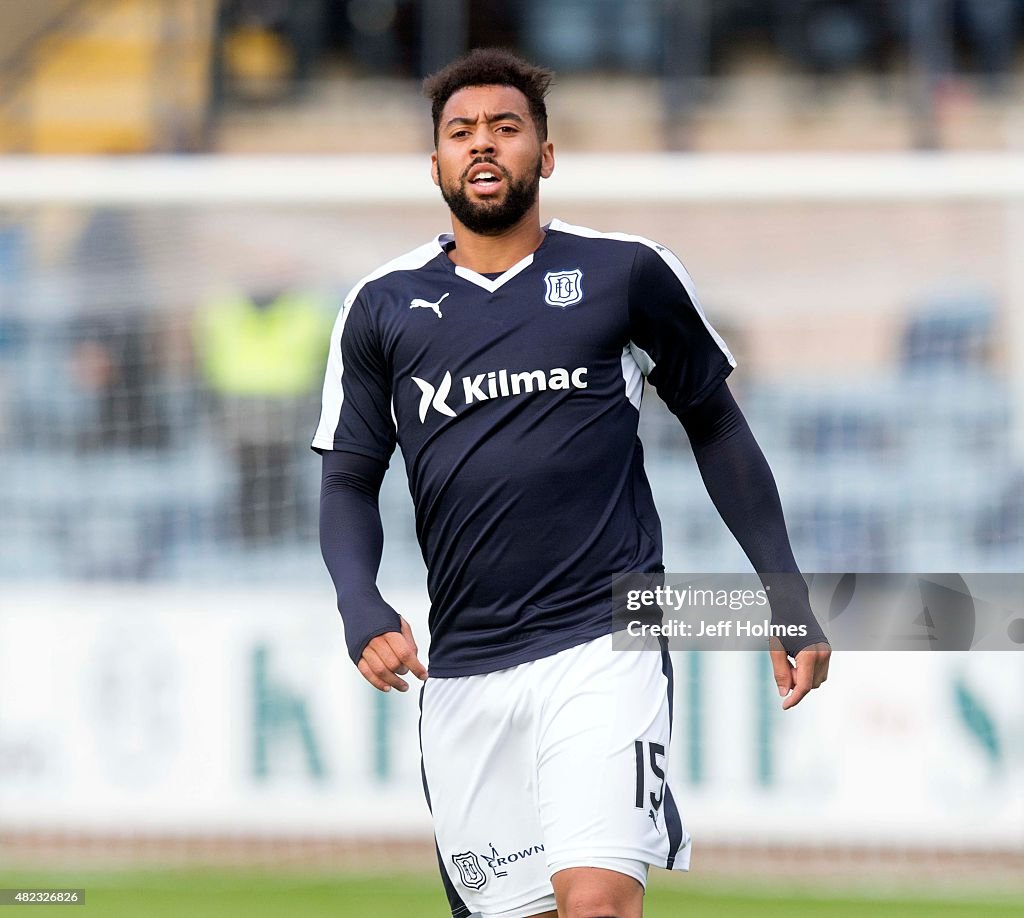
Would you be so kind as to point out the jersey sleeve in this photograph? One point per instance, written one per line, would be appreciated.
(672, 341)
(356, 416)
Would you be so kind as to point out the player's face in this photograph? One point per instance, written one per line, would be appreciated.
(489, 160)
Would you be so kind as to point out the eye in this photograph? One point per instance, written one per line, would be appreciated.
(507, 128)
(456, 135)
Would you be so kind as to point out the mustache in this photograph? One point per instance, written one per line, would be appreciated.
(486, 161)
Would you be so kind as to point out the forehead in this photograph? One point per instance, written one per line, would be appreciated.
(475, 101)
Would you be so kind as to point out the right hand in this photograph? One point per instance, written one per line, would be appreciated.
(388, 657)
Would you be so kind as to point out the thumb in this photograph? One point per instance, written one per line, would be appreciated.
(782, 669)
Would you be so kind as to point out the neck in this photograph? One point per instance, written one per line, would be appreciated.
(492, 254)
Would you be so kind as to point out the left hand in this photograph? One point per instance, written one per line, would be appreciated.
(796, 681)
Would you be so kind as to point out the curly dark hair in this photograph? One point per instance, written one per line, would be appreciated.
(490, 67)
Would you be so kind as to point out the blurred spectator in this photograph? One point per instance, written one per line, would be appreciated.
(267, 48)
(928, 27)
(579, 35)
(950, 332)
(12, 272)
(494, 22)
(261, 358)
(115, 365)
(988, 29)
(374, 41)
(115, 351)
(991, 26)
(827, 36)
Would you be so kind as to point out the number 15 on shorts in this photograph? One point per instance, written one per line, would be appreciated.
(650, 777)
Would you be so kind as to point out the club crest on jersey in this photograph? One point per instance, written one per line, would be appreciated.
(470, 871)
(564, 288)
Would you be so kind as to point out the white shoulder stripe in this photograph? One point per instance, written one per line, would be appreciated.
(666, 256)
(410, 261)
(333, 393)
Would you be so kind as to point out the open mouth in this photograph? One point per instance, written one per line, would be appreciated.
(484, 177)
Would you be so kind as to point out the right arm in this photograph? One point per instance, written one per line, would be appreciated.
(379, 640)
(356, 437)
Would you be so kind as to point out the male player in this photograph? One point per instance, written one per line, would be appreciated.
(508, 358)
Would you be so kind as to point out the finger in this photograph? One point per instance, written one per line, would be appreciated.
(804, 680)
(817, 657)
(418, 669)
(821, 667)
(382, 646)
(392, 650)
(795, 697)
(410, 658)
(381, 671)
(368, 675)
(782, 670)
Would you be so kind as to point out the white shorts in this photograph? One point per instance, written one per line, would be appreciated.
(559, 762)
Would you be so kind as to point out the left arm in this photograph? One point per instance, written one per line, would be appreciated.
(743, 490)
(687, 362)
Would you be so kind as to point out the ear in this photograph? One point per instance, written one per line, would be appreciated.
(433, 169)
(547, 159)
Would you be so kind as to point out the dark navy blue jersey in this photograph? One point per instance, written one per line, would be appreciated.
(515, 402)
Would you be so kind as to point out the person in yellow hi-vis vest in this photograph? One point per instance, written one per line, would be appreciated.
(260, 357)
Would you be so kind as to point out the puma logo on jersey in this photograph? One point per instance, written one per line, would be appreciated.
(425, 304)
(482, 387)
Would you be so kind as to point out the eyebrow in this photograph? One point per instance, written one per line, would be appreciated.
(500, 116)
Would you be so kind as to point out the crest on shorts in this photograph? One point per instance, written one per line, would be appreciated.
(564, 288)
(470, 872)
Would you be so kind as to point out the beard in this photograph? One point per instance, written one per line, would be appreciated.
(490, 218)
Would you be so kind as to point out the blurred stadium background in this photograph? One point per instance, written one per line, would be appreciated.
(188, 187)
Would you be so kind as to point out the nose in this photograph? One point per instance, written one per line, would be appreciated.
(483, 140)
